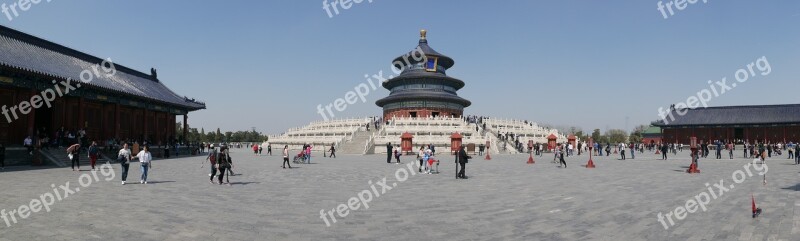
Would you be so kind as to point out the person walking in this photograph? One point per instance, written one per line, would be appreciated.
(421, 157)
(73, 152)
(389, 152)
(664, 151)
(124, 159)
(260, 148)
(719, 149)
(255, 150)
(622, 150)
(769, 150)
(145, 159)
(308, 153)
(562, 161)
(462, 160)
(28, 143)
(397, 154)
(93, 152)
(633, 150)
(746, 147)
(224, 163)
(597, 148)
(333, 151)
(730, 149)
(212, 159)
(269, 149)
(285, 156)
(797, 153)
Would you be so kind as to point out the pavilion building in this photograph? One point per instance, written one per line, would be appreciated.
(126, 105)
(423, 88)
(762, 123)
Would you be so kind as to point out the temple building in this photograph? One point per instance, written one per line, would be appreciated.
(123, 103)
(423, 88)
(770, 123)
(423, 108)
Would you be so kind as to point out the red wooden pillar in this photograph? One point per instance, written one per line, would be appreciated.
(116, 121)
(185, 125)
(81, 113)
(158, 138)
(784, 134)
(32, 118)
(144, 124)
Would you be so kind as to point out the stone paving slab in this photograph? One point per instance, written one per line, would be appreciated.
(504, 199)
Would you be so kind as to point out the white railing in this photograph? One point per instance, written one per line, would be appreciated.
(367, 145)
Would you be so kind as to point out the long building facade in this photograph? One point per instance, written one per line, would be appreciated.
(761, 123)
(423, 88)
(105, 99)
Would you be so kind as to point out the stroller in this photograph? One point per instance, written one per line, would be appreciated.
(299, 158)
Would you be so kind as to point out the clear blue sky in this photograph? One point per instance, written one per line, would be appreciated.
(591, 64)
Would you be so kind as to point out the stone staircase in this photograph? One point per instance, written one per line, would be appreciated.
(502, 147)
(58, 157)
(357, 143)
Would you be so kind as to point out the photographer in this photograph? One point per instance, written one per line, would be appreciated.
(462, 158)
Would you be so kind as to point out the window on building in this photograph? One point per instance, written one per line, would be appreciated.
(430, 66)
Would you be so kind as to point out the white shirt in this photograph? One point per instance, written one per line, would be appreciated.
(125, 152)
(144, 157)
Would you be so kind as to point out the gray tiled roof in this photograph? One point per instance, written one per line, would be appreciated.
(444, 61)
(31, 54)
(736, 115)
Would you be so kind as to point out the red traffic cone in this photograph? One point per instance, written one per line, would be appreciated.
(488, 157)
(530, 159)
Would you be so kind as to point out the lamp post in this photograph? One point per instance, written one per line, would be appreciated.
(693, 166)
(590, 164)
(530, 152)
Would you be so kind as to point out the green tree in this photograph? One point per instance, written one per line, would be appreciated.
(617, 135)
(596, 135)
(638, 133)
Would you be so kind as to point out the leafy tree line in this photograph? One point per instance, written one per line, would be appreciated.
(194, 135)
(610, 136)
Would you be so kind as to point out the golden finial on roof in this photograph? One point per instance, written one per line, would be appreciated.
(422, 33)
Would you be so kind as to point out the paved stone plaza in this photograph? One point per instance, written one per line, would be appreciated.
(504, 199)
